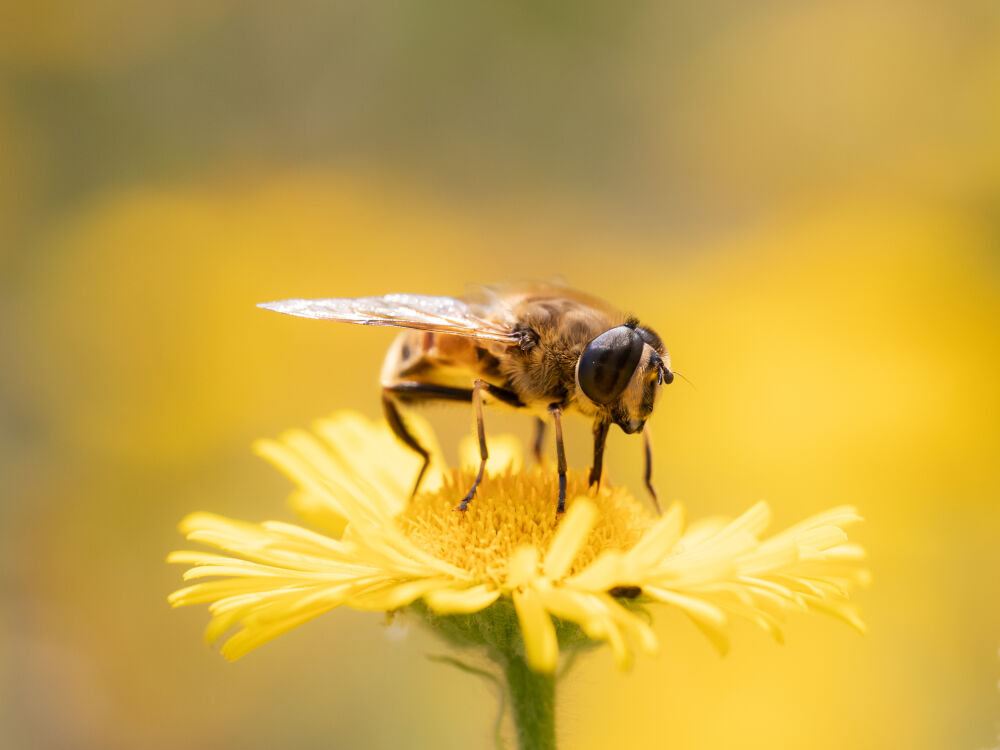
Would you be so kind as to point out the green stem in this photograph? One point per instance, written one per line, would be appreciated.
(533, 698)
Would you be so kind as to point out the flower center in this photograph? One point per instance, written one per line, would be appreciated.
(513, 510)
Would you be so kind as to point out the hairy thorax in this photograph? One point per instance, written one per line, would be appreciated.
(544, 371)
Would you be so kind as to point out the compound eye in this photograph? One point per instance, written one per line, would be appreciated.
(608, 362)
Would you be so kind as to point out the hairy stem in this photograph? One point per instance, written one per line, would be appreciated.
(533, 698)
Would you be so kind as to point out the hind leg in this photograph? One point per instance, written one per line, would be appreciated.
(415, 392)
(398, 426)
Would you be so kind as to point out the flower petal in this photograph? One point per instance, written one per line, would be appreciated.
(353, 481)
(451, 601)
(602, 574)
(523, 567)
(395, 595)
(540, 645)
(709, 618)
(572, 533)
(658, 541)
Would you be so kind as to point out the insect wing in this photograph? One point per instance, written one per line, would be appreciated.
(425, 313)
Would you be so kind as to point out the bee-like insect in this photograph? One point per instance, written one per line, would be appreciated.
(543, 348)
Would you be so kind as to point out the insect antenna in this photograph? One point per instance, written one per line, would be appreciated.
(666, 375)
(685, 379)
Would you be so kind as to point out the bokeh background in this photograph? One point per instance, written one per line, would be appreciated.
(802, 197)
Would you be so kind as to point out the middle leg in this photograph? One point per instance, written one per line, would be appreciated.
(536, 447)
(477, 401)
(556, 413)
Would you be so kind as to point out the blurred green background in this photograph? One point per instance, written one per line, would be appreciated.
(803, 198)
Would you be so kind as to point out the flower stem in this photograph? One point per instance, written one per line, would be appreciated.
(533, 698)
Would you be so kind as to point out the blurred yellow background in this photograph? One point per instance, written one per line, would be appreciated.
(802, 198)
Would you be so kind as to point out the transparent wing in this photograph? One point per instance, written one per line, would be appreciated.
(440, 314)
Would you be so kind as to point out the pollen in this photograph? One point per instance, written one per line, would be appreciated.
(511, 510)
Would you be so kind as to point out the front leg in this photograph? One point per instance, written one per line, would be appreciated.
(556, 412)
(649, 470)
(600, 438)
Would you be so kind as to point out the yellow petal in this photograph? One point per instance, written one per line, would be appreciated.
(572, 533)
(540, 645)
(709, 618)
(354, 480)
(210, 591)
(451, 601)
(840, 516)
(395, 595)
(630, 622)
(658, 541)
(316, 543)
(846, 553)
(523, 567)
(372, 451)
(843, 611)
(822, 537)
(202, 521)
(753, 522)
(602, 574)
(583, 609)
(317, 513)
(291, 464)
(250, 638)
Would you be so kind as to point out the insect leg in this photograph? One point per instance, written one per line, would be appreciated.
(600, 438)
(556, 413)
(536, 448)
(398, 426)
(408, 390)
(649, 470)
(412, 391)
(477, 400)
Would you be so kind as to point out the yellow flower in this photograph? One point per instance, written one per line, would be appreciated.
(592, 568)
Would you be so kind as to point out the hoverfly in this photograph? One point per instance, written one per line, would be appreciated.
(543, 348)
